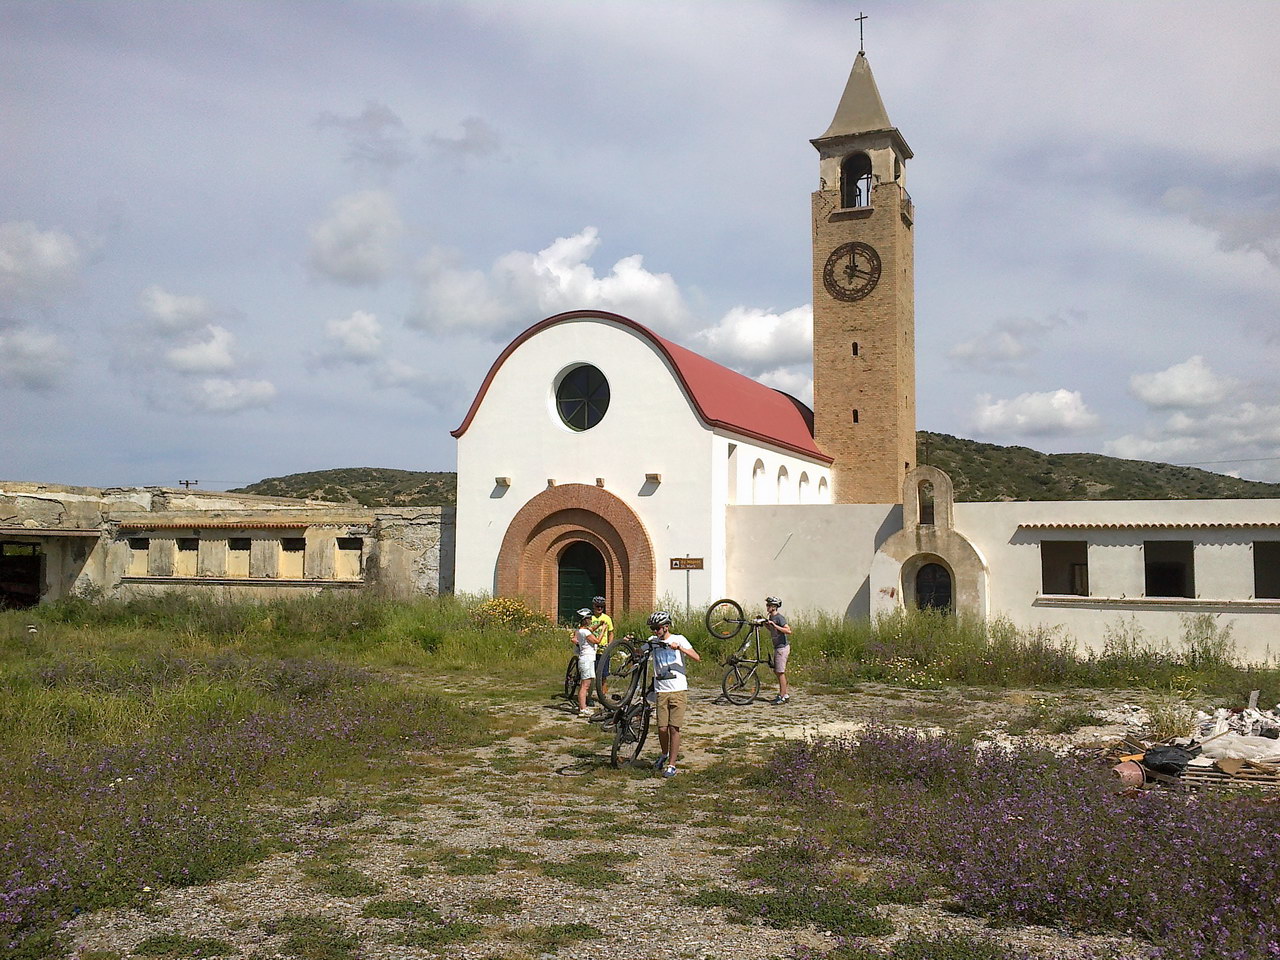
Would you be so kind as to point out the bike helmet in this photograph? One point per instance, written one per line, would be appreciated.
(658, 619)
(598, 602)
(584, 614)
(773, 601)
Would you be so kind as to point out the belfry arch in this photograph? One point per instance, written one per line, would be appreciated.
(555, 520)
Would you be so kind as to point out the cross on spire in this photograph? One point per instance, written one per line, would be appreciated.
(862, 47)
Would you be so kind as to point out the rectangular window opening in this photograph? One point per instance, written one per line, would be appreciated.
(1266, 569)
(1169, 567)
(18, 550)
(184, 564)
(1064, 567)
(348, 565)
(238, 552)
(293, 552)
(139, 556)
(855, 416)
(855, 348)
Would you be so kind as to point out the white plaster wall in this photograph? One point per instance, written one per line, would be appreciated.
(1223, 567)
(817, 558)
(650, 427)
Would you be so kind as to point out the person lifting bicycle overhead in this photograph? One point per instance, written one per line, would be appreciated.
(780, 631)
(671, 683)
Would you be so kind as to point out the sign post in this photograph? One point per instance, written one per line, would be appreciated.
(687, 564)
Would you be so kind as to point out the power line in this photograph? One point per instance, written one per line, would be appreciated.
(1199, 463)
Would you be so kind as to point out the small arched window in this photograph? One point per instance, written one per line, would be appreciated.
(824, 491)
(784, 485)
(757, 482)
(933, 587)
(855, 181)
(803, 488)
(926, 502)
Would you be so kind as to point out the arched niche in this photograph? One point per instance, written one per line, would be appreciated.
(855, 180)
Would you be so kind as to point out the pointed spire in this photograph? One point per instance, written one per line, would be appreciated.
(861, 110)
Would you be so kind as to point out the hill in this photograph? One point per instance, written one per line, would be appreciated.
(981, 471)
(985, 471)
(367, 486)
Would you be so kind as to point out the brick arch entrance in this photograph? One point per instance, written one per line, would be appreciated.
(546, 526)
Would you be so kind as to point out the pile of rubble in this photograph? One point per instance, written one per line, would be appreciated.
(1231, 747)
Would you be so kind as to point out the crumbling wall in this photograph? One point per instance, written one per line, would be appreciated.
(413, 551)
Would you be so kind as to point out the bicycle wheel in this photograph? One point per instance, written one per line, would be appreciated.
(631, 728)
(618, 674)
(571, 679)
(724, 619)
(741, 685)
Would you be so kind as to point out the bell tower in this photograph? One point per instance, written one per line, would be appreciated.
(864, 353)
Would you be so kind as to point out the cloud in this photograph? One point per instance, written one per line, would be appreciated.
(1242, 438)
(1005, 346)
(36, 264)
(1052, 413)
(357, 339)
(223, 395)
(170, 313)
(375, 136)
(356, 244)
(31, 359)
(210, 356)
(1183, 385)
(793, 380)
(523, 287)
(1255, 229)
(478, 139)
(753, 340)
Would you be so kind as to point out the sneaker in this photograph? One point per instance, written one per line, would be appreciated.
(661, 762)
(780, 699)
(669, 772)
(584, 713)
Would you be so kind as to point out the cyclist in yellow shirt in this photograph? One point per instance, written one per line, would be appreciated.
(601, 622)
(602, 627)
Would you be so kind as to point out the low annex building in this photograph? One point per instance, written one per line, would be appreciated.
(123, 542)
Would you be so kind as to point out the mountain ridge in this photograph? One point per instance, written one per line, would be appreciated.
(980, 471)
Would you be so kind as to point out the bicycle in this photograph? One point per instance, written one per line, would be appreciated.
(572, 677)
(632, 714)
(741, 681)
(615, 669)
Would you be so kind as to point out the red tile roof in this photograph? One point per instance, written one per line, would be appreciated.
(722, 398)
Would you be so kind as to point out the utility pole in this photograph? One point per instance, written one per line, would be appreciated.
(188, 484)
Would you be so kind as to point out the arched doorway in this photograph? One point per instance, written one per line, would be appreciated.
(575, 533)
(581, 576)
(933, 587)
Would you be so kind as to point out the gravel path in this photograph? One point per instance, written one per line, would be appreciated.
(518, 837)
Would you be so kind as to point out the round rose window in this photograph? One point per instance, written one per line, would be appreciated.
(582, 397)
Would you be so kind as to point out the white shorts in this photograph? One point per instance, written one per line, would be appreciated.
(587, 665)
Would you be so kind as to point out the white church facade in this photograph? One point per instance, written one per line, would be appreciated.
(600, 458)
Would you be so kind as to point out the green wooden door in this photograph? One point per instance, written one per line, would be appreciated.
(581, 578)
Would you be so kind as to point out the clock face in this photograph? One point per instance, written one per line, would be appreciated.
(852, 271)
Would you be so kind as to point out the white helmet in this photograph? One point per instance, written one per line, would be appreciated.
(659, 618)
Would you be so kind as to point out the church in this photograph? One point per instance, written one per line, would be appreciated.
(601, 458)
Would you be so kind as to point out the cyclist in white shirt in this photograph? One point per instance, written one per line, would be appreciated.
(671, 683)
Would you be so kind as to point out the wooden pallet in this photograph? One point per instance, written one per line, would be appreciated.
(1247, 777)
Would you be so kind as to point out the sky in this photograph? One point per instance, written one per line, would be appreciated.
(241, 240)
